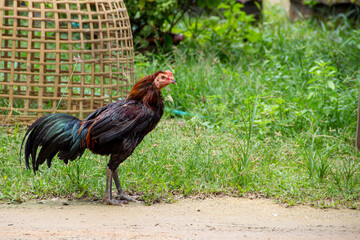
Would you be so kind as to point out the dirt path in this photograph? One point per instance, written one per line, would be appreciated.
(213, 218)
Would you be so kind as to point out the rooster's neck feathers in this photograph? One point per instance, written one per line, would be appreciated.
(145, 92)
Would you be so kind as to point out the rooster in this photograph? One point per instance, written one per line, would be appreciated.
(115, 129)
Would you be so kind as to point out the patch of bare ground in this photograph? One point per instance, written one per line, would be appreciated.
(212, 218)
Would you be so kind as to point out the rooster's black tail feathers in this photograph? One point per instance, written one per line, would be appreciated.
(60, 134)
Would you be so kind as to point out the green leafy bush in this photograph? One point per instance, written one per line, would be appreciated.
(223, 32)
(150, 19)
(220, 25)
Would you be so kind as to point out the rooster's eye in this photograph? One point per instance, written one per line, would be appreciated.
(162, 77)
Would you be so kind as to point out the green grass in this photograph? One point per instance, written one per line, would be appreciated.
(276, 120)
(185, 158)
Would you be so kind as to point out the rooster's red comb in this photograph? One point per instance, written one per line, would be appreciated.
(168, 72)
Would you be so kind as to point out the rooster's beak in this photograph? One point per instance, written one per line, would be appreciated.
(173, 81)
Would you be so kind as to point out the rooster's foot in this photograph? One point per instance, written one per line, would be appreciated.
(116, 202)
(123, 197)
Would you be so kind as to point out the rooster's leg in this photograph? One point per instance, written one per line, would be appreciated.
(108, 192)
(121, 194)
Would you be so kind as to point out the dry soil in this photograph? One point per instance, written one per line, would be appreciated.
(212, 218)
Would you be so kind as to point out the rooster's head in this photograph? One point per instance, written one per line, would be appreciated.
(162, 79)
(154, 82)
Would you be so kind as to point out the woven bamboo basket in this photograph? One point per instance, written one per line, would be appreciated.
(62, 56)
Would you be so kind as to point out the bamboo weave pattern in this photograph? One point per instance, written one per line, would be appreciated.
(63, 56)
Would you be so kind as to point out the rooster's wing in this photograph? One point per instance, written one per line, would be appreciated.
(119, 120)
